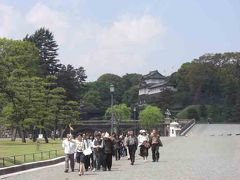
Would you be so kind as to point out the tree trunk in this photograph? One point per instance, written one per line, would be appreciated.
(62, 132)
(55, 129)
(34, 133)
(14, 134)
(23, 136)
(54, 133)
(19, 132)
(45, 136)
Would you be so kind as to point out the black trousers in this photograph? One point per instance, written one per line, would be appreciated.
(132, 151)
(107, 161)
(87, 162)
(155, 152)
(117, 154)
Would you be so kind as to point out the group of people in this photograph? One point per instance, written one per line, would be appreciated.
(93, 152)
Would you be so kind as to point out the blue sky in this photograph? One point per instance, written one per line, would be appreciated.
(127, 36)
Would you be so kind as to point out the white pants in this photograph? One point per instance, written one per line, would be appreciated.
(128, 155)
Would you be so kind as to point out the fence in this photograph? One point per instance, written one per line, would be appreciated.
(24, 158)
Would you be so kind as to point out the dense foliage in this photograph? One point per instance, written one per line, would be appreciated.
(214, 80)
(150, 117)
(33, 100)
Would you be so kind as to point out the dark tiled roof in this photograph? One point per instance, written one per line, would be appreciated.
(153, 75)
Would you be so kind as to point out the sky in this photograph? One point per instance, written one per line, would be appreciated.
(127, 36)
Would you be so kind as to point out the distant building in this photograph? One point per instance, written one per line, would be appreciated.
(153, 83)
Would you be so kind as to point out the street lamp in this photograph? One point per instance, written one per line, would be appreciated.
(134, 113)
(112, 116)
(134, 118)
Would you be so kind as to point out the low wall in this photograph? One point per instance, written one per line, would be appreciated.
(22, 167)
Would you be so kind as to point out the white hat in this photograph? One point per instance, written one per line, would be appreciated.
(143, 131)
(106, 135)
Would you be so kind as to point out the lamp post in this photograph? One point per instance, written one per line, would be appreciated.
(134, 118)
(134, 113)
(112, 116)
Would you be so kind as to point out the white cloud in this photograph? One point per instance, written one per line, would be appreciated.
(133, 31)
(5, 19)
(123, 46)
(43, 16)
(10, 21)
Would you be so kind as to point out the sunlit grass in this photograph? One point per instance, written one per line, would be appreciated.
(19, 149)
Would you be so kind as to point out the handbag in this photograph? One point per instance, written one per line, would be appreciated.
(160, 143)
(146, 144)
(87, 151)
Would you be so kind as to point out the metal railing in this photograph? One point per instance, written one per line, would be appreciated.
(31, 157)
(187, 127)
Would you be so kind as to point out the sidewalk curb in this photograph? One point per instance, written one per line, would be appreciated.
(31, 165)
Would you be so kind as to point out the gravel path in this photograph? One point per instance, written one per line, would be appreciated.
(196, 156)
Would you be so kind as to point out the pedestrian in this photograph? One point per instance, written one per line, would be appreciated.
(123, 151)
(91, 147)
(126, 146)
(69, 146)
(97, 151)
(117, 145)
(155, 144)
(88, 151)
(144, 144)
(132, 143)
(80, 147)
(107, 152)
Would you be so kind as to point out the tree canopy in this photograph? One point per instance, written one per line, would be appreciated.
(150, 117)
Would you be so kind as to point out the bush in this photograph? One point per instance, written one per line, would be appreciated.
(193, 114)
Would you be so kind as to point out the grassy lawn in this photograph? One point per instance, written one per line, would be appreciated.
(18, 149)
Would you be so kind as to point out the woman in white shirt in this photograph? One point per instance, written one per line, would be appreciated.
(80, 147)
(88, 153)
(143, 143)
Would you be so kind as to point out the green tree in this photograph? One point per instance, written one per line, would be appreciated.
(213, 112)
(183, 96)
(69, 113)
(91, 102)
(103, 95)
(120, 112)
(117, 81)
(132, 79)
(236, 110)
(72, 80)
(18, 62)
(47, 46)
(130, 96)
(192, 114)
(203, 111)
(150, 117)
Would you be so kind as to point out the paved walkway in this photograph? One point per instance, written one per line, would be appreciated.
(197, 156)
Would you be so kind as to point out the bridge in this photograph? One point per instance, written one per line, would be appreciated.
(122, 126)
(208, 151)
